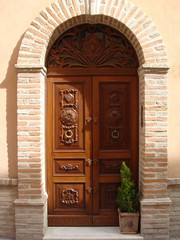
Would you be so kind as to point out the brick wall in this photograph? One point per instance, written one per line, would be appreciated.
(30, 105)
(174, 194)
(155, 204)
(31, 219)
(31, 205)
(8, 193)
(153, 90)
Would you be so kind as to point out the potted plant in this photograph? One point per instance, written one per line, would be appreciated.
(128, 202)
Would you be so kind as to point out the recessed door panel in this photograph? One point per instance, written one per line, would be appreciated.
(110, 166)
(107, 196)
(69, 167)
(69, 104)
(114, 115)
(69, 197)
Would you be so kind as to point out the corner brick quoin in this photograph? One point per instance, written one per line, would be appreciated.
(31, 72)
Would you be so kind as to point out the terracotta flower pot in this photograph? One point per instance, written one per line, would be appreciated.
(128, 222)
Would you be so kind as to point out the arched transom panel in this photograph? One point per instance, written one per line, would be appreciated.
(92, 46)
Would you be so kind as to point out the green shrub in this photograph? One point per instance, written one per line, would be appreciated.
(127, 195)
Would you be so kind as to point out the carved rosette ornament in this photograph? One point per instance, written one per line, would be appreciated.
(69, 116)
(115, 117)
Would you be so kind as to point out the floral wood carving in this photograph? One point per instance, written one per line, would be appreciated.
(70, 196)
(69, 167)
(113, 166)
(115, 116)
(69, 116)
(92, 46)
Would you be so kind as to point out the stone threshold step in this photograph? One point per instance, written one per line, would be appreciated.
(88, 233)
(6, 238)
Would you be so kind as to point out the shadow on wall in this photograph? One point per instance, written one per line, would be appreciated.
(10, 84)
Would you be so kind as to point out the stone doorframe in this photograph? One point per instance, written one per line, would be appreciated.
(31, 205)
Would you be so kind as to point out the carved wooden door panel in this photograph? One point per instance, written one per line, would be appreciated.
(69, 151)
(115, 139)
(92, 126)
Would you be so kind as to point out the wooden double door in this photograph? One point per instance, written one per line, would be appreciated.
(92, 127)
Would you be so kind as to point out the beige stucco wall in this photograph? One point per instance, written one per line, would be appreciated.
(16, 15)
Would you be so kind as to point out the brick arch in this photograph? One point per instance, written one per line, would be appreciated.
(120, 14)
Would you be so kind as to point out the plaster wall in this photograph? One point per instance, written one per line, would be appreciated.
(16, 17)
